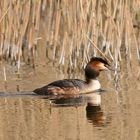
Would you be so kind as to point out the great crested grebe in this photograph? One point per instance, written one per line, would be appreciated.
(77, 86)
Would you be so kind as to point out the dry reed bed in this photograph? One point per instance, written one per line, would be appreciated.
(75, 29)
(19, 25)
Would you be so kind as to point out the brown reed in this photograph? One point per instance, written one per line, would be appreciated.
(75, 30)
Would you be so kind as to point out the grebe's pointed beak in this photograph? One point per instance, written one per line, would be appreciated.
(108, 67)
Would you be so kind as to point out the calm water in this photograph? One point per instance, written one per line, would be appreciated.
(110, 115)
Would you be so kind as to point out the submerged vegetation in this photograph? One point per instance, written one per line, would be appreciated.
(74, 30)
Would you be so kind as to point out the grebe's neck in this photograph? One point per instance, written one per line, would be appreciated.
(90, 80)
(91, 74)
(91, 86)
(94, 84)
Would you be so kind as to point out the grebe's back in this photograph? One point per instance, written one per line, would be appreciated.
(66, 86)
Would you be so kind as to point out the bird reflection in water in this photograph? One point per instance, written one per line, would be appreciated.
(94, 112)
(95, 115)
(92, 101)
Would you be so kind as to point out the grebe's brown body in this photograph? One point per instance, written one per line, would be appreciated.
(77, 86)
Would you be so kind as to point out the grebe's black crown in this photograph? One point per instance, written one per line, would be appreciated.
(99, 59)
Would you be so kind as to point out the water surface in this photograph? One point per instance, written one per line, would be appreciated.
(23, 115)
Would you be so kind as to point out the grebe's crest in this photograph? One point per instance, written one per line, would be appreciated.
(99, 59)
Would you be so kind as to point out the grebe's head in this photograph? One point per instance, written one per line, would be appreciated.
(94, 66)
(99, 63)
